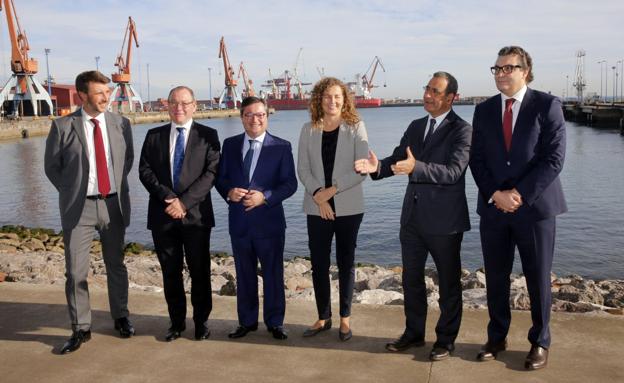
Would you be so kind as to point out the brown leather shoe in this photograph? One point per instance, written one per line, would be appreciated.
(490, 350)
(537, 358)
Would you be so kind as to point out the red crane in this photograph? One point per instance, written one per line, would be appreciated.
(249, 90)
(26, 86)
(123, 74)
(367, 83)
(228, 95)
(124, 93)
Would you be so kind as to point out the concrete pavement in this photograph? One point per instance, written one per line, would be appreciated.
(34, 323)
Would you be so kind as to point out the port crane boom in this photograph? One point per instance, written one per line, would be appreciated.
(249, 90)
(124, 93)
(367, 82)
(22, 86)
(229, 94)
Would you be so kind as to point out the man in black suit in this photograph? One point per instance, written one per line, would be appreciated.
(178, 167)
(517, 154)
(434, 154)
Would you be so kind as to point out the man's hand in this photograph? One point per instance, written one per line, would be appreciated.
(507, 201)
(252, 199)
(324, 195)
(405, 166)
(236, 194)
(368, 165)
(176, 208)
(326, 211)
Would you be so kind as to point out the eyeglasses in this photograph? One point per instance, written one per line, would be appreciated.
(506, 69)
(433, 91)
(251, 116)
(184, 105)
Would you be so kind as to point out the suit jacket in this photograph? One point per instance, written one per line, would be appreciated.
(274, 176)
(535, 159)
(352, 145)
(199, 171)
(66, 163)
(436, 188)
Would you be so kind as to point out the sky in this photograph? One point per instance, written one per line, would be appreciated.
(179, 40)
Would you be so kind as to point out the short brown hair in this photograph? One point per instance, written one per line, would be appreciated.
(525, 58)
(84, 78)
(250, 101)
(348, 113)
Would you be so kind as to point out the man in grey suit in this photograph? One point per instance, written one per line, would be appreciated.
(88, 157)
(434, 154)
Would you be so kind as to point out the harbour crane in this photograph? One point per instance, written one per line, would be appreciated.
(23, 94)
(229, 96)
(124, 93)
(367, 82)
(249, 90)
(579, 76)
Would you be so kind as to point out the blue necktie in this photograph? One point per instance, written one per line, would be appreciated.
(432, 123)
(178, 157)
(247, 160)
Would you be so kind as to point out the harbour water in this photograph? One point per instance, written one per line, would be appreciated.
(590, 237)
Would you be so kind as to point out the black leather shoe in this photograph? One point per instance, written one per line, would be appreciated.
(313, 331)
(440, 352)
(174, 333)
(403, 343)
(201, 332)
(241, 331)
(78, 337)
(278, 332)
(126, 330)
(537, 358)
(345, 336)
(490, 350)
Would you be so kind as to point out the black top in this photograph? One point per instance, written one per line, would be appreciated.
(328, 151)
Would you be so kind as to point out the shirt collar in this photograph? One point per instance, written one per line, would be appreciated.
(260, 138)
(186, 126)
(87, 117)
(438, 119)
(518, 96)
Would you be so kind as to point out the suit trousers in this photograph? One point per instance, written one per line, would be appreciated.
(445, 251)
(173, 245)
(270, 252)
(103, 216)
(320, 235)
(500, 234)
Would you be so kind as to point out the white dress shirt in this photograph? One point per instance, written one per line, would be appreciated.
(173, 136)
(88, 126)
(257, 150)
(438, 120)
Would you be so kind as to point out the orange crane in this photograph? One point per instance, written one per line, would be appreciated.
(228, 95)
(124, 93)
(22, 86)
(249, 90)
(367, 83)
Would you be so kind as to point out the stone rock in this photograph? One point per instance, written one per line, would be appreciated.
(519, 283)
(613, 293)
(377, 297)
(474, 280)
(34, 244)
(14, 242)
(9, 236)
(393, 282)
(2, 276)
(519, 299)
(433, 274)
(8, 248)
(306, 295)
(433, 300)
(229, 289)
(573, 294)
(465, 273)
(573, 307)
(298, 282)
(475, 298)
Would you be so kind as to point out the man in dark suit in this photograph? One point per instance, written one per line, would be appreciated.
(88, 157)
(178, 168)
(518, 149)
(257, 173)
(434, 154)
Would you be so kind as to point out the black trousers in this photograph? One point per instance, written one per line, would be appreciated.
(445, 251)
(173, 245)
(320, 235)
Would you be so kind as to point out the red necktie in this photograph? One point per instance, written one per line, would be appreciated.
(507, 122)
(100, 159)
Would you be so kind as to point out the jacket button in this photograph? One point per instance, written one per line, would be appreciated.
(508, 163)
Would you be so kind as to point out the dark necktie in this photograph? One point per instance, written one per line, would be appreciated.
(247, 160)
(100, 159)
(432, 123)
(507, 122)
(178, 157)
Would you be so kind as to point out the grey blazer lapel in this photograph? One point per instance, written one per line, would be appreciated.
(117, 147)
(78, 126)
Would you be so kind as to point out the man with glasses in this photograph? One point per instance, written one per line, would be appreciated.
(178, 167)
(433, 153)
(257, 173)
(518, 149)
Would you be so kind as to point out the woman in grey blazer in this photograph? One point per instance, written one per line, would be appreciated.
(333, 200)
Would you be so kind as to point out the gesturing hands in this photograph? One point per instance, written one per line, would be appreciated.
(368, 165)
(405, 166)
(250, 198)
(176, 208)
(507, 201)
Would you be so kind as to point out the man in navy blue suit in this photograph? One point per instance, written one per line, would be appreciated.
(518, 149)
(257, 173)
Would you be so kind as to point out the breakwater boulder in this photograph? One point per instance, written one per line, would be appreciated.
(36, 256)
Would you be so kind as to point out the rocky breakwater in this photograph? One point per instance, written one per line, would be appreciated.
(36, 256)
